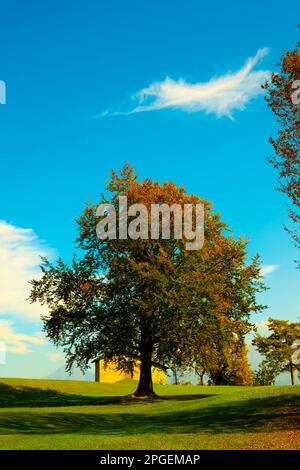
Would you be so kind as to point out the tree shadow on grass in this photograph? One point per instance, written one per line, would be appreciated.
(257, 415)
(22, 396)
(185, 397)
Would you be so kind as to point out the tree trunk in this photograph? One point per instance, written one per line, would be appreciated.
(201, 378)
(175, 377)
(145, 386)
(200, 373)
(217, 378)
(292, 374)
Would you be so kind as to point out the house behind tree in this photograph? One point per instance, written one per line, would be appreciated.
(109, 373)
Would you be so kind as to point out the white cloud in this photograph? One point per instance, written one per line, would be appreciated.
(17, 343)
(268, 268)
(20, 252)
(262, 326)
(220, 96)
(54, 356)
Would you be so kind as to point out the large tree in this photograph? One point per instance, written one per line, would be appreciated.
(283, 97)
(278, 348)
(147, 300)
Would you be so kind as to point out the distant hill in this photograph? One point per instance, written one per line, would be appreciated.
(61, 374)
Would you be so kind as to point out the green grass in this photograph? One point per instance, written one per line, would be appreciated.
(53, 414)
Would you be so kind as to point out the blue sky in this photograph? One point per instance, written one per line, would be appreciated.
(66, 63)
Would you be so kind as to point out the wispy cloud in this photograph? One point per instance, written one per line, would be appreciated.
(268, 268)
(17, 343)
(20, 251)
(220, 95)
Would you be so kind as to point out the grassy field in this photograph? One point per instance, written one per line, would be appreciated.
(53, 414)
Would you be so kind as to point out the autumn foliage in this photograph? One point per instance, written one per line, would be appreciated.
(283, 97)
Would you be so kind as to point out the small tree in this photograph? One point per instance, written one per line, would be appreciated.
(239, 371)
(221, 353)
(266, 373)
(230, 365)
(279, 347)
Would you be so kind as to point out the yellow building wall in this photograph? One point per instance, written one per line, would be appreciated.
(108, 373)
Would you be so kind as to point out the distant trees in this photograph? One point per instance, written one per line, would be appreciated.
(278, 350)
(283, 97)
(150, 300)
(227, 365)
(266, 373)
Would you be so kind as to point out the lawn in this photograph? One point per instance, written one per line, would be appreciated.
(53, 414)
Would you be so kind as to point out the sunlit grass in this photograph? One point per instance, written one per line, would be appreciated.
(50, 414)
